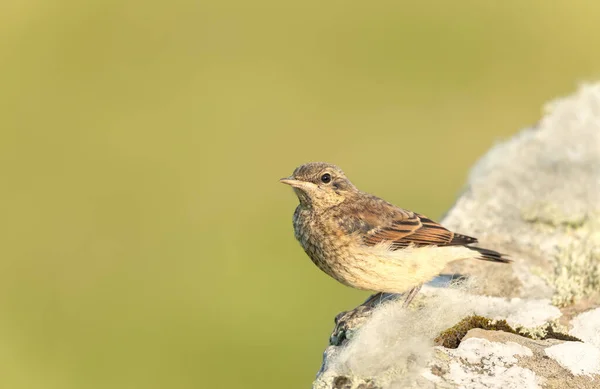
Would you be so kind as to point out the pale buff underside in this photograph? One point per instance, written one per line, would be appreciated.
(380, 269)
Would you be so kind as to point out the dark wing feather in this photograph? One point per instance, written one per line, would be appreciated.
(409, 228)
(383, 222)
(401, 225)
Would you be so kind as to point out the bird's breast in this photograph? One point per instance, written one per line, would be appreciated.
(327, 246)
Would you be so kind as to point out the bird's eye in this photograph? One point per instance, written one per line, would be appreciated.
(326, 178)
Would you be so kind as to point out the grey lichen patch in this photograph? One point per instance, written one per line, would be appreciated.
(574, 253)
(576, 272)
(549, 214)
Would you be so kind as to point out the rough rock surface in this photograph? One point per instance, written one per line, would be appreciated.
(535, 197)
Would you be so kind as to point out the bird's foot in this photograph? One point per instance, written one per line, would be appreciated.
(349, 321)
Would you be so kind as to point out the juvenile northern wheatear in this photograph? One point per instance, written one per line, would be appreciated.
(367, 243)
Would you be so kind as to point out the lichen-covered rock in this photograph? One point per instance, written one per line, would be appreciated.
(531, 364)
(586, 327)
(535, 197)
(479, 363)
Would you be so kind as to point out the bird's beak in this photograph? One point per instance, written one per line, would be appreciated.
(290, 181)
(304, 185)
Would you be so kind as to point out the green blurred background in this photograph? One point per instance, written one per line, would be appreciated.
(145, 241)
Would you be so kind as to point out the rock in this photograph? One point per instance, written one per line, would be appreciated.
(587, 327)
(535, 197)
(496, 359)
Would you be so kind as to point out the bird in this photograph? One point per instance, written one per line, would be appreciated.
(367, 243)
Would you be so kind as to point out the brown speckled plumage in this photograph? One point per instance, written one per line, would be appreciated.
(367, 243)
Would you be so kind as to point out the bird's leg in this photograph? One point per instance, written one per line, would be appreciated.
(411, 295)
(373, 300)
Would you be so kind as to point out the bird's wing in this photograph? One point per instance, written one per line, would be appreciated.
(407, 228)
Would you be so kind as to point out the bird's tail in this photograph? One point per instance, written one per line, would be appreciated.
(490, 255)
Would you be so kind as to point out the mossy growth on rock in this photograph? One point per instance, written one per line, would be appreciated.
(452, 337)
(552, 334)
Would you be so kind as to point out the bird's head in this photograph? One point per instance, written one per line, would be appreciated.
(320, 185)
